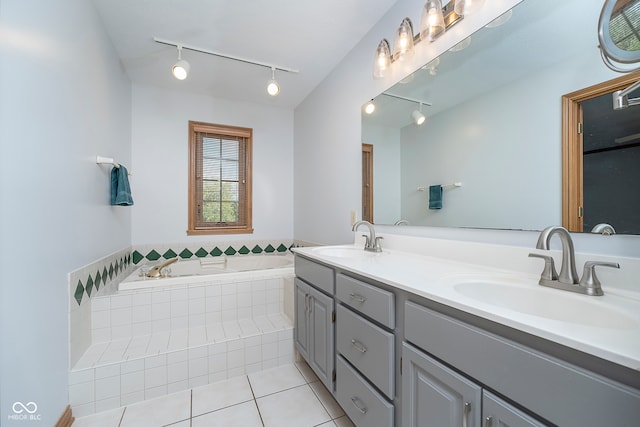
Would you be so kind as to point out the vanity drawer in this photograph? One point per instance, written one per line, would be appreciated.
(361, 402)
(368, 347)
(316, 274)
(372, 301)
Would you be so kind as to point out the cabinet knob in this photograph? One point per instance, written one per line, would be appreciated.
(488, 422)
(465, 414)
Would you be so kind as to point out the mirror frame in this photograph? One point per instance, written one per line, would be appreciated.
(608, 48)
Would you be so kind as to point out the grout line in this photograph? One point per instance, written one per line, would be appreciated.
(191, 407)
(122, 416)
(255, 401)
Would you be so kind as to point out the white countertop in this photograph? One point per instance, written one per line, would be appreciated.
(615, 337)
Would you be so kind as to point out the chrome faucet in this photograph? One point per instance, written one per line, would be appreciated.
(568, 278)
(372, 243)
(401, 222)
(156, 269)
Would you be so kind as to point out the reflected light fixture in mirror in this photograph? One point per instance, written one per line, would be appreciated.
(382, 61)
(432, 66)
(462, 45)
(273, 88)
(468, 7)
(370, 107)
(432, 20)
(403, 45)
(180, 69)
(500, 19)
(418, 116)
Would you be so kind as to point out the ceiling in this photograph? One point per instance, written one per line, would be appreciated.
(309, 36)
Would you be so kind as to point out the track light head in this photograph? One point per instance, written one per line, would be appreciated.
(370, 107)
(418, 117)
(273, 88)
(180, 69)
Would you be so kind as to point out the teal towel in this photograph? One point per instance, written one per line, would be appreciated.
(120, 189)
(435, 197)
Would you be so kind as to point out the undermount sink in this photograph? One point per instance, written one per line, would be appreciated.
(548, 304)
(343, 252)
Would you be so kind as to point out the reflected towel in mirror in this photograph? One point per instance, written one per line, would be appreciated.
(435, 197)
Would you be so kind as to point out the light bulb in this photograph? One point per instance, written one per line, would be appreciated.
(370, 107)
(382, 59)
(431, 21)
(180, 70)
(273, 88)
(403, 45)
(418, 117)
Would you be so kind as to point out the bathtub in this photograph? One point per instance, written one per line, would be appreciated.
(210, 270)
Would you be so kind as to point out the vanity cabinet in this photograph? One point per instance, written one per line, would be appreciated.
(314, 316)
(365, 343)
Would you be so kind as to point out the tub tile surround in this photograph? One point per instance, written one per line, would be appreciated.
(136, 345)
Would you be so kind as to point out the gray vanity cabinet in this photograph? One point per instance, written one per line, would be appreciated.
(498, 413)
(434, 395)
(314, 312)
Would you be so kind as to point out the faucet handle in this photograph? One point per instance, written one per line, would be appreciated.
(367, 241)
(376, 245)
(549, 272)
(590, 280)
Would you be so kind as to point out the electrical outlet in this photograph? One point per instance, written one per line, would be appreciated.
(354, 217)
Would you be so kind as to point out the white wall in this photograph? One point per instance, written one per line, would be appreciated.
(64, 99)
(327, 160)
(386, 172)
(160, 162)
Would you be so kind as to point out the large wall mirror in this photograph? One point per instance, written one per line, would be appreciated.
(494, 125)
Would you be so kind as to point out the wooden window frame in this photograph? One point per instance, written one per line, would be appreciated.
(219, 228)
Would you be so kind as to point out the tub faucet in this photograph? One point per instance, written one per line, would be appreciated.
(372, 243)
(156, 269)
(567, 280)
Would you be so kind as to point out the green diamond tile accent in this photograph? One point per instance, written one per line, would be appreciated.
(169, 254)
(186, 253)
(216, 251)
(282, 248)
(79, 292)
(98, 279)
(243, 250)
(121, 264)
(137, 257)
(256, 249)
(201, 253)
(153, 255)
(230, 251)
(104, 275)
(269, 249)
(89, 286)
(111, 271)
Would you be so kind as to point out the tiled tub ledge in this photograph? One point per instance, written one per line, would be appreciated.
(151, 343)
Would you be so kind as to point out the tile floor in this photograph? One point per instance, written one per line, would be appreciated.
(289, 395)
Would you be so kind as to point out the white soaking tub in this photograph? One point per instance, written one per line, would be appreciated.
(209, 269)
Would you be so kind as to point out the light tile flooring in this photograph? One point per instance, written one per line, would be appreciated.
(289, 395)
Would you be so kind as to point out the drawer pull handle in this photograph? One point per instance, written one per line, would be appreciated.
(488, 422)
(359, 346)
(465, 414)
(359, 405)
(357, 297)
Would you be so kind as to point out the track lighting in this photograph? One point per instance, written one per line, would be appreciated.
(180, 69)
(273, 88)
(370, 107)
(403, 45)
(417, 116)
(432, 21)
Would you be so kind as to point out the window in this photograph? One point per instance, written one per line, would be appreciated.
(219, 179)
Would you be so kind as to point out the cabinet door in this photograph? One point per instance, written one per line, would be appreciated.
(498, 413)
(434, 395)
(321, 347)
(302, 318)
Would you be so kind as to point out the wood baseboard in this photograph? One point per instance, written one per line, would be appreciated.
(66, 419)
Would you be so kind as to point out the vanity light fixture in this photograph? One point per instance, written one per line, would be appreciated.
(273, 88)
(382, 61)
(370, 107)
(403, 44)
(432, 20)
(468, 7)
(180, 69)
